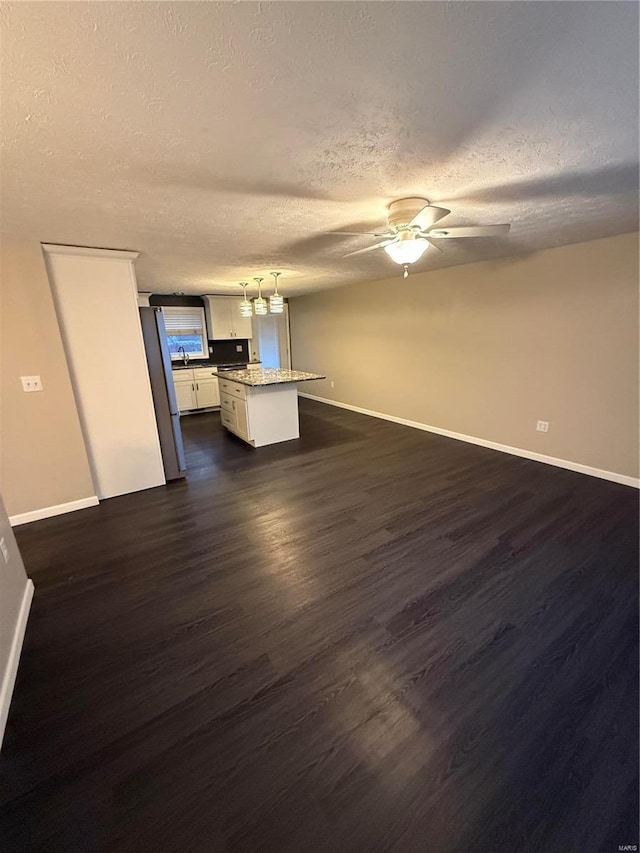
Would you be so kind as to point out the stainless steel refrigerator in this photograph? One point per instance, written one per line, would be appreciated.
(164, 395)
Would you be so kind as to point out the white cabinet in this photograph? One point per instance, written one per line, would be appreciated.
(185, 387)
(233, 408)
(207, 390)
(196, 388)
(185, 395)
(224, 320)
(260, 415)
(207, 394)
(234, 415)
(218, 316)
(241, 326)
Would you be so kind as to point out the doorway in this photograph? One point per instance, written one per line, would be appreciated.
(270, 343)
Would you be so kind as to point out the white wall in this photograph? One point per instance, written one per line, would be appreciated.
(95, 296)
(16, 591)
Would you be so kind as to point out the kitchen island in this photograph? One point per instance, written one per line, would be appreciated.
(261, 405)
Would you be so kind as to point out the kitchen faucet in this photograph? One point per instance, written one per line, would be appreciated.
(185, 355)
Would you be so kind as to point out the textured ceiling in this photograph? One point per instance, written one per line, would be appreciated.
(222, 140)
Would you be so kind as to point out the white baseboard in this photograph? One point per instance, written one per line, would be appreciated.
(6, 688)
(623, 479)
(49, 511)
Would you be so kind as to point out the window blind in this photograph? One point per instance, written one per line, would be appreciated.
(183, 320)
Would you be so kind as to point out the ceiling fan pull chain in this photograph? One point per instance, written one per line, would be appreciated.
(405, 274)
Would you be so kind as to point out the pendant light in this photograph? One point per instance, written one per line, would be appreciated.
(276, 302)
(259, 304)
(245, 306)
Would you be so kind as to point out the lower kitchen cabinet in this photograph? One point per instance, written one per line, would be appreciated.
(260, 415)
(207, 393)
(196, 388)
(234, 415)
(185, 393)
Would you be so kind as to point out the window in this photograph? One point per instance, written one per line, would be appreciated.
(185, 328)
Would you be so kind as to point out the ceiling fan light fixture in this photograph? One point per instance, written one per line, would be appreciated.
(407, 249)
(411, 231)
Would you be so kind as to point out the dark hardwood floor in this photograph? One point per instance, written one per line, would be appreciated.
(372, 639)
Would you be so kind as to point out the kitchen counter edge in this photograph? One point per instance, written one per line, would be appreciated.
(257, 378)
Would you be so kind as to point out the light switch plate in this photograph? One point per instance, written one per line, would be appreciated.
(4, 549)
(31, 383)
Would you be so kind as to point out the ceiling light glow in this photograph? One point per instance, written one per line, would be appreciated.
(407, 249)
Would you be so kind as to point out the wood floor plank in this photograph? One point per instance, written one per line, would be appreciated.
(370, 639)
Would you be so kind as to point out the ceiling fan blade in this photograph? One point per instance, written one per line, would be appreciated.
(428, 217)
(369, 248)
(359, 233)
(470, 231)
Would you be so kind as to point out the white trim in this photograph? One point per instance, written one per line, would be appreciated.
(623, 479)
(288, 333)
(49, 511)
(9, 680)
(88, 251)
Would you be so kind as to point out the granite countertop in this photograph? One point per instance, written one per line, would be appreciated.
(195, 364)
(178, 365)
(269, 376)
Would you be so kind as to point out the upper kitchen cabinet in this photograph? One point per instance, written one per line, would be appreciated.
(241, 325)
(224, 320)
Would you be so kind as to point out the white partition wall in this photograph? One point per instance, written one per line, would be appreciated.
(96, 302)
(16, 592)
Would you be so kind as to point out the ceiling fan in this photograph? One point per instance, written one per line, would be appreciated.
(411, 231)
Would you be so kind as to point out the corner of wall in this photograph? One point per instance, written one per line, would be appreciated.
(43, 459)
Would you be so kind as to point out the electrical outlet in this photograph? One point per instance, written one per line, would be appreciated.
(31, 383)
(333, 384)
(4, 549)
(542, 426)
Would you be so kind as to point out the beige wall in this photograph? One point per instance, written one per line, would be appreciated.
(489, 348)
(43, 461)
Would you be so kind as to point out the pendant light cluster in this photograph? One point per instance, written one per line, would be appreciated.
(259, 305)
